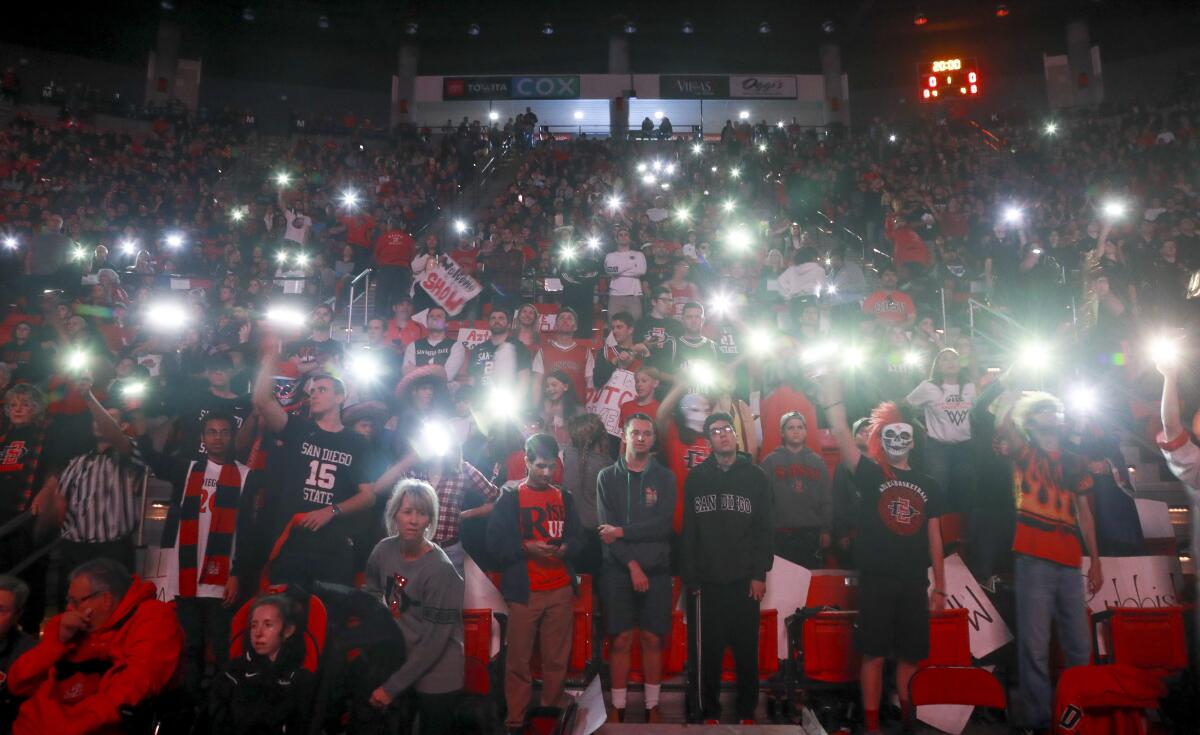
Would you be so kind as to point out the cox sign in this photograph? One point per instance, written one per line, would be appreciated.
(545, 88)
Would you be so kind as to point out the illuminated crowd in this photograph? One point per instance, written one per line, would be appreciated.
(637, 361)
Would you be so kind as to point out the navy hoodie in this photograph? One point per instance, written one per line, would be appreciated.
(726, 523)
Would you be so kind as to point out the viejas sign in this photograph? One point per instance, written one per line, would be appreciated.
(692, 87)
(516, 88)
(763, 87)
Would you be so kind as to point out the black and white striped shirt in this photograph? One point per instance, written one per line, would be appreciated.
(101, 490)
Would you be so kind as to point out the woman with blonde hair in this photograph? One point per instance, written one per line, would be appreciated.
(415, 579)
(947, 397)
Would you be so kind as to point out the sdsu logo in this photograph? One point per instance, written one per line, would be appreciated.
(649, 497)
(902, 508)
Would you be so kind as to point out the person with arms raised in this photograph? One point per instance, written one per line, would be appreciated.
(322, 477)
(899, 538)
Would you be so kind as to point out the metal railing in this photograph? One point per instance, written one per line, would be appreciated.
(366, 293)
(977, 307)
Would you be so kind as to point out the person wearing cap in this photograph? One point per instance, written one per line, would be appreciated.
(624, 268)
(803, 504)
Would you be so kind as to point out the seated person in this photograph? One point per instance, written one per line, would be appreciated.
(266, 689)
(116, 646)
(13, 641)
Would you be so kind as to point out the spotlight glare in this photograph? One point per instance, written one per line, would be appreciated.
(744, 115)
(818, 352)
(759, 341)
(166, 316)
(1114, 209)
(281, 256)
(641, 167)
(78, 253)
(174, 240)
(1082, 398)
(721, 302)
(1035, 355)
(698, 148)
(460, 226)
(1165, 350)
(593, 243)
(762, 147)
(1012, 215)
(349, 199)
(657, 166)
(133, 390)
(237, 214)
(77, 360)
(614, 202)
(365, 366)
(912, 358)
(735, 172)
(493, 116)
(892, 138)
(1051, 128)
(738, 238)
(286, 316)
(683, 215)
(728, 205)
(301, 259)
(649, 179)
(702, 374)
(10, 242)
(670, 167)
(568, 252)
(283, 178)
(853, 357)
(435, 439)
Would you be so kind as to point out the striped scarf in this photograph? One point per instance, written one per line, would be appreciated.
(221, 529)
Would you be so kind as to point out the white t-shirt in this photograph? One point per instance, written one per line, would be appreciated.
(947, 410)
(298, 226)
(623, 269)
(212, 472)
(805, 279)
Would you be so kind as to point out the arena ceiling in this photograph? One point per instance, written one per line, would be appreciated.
(352, 43)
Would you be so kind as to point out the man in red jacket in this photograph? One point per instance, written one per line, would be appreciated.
(115, 646)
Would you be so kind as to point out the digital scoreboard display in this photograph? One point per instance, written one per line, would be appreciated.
(949, 79)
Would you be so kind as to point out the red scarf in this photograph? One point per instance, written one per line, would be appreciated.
(221, 529)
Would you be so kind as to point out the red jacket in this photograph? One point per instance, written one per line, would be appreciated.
(142, 641)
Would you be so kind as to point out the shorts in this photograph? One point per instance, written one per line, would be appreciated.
(624, 609)
(893, 618)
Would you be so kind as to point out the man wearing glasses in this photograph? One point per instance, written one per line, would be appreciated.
(657, 330)
(725, 553)
(114, 646)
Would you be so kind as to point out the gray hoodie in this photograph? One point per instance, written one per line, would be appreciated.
(643, 505)
(801, 489)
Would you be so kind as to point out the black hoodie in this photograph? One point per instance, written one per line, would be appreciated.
(726, 523)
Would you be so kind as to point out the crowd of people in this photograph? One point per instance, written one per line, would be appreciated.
(666, 363)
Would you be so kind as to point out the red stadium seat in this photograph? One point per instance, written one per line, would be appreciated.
(949, 639)
(477, 647)
(834, 588)
(967, 685)
(822, 645)
(315, 628)
(1146, 638)
(954, 528)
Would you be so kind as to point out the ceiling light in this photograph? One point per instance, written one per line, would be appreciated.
(411, 28)
(473, 29)
(764, 27)
(547, 29)
(688, 28)
(919, 19)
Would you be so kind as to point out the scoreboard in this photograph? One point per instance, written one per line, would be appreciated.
(949, 79)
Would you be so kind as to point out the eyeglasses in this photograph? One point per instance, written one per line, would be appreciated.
(77, 602)
(718, 430)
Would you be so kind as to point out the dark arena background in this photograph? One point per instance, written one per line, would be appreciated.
(555, 368)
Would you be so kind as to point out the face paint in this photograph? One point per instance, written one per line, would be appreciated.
(694, 408)
(897, 440)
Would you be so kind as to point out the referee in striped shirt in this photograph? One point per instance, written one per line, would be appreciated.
(98, 493)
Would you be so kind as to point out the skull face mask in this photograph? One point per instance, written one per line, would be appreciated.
(695, 409)
(897, 440)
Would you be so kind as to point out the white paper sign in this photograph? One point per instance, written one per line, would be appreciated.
(449, 285)
(606, 402)
(987, 629)
(590, 714)
(1136, 581)
(472, 337)
(161, 567)
(1155, 517)
(481, 594)
(787, 589)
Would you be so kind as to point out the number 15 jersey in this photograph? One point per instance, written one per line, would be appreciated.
(320, 468)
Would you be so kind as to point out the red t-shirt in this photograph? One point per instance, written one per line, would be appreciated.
(395, 247)
(543, 518)
(358, 230)
(890, 306)
(910, 248)
(629, 408)
(681, 458)
(467, 259)
(404, 336)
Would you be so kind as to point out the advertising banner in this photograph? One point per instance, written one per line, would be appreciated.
(693, 87)
(763, 87)
(550, 87)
